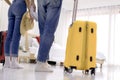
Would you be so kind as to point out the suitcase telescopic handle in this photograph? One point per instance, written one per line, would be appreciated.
(75, 6)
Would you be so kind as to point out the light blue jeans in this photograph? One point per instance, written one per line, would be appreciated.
(48, 17)
(15, 13)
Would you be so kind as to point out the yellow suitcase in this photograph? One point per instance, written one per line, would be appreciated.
(81, 47)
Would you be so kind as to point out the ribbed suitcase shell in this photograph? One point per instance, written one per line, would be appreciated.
(81, 46)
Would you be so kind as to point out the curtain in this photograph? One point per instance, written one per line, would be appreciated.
(62, 29)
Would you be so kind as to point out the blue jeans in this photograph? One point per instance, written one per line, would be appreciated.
(15, 13)
(48, 17)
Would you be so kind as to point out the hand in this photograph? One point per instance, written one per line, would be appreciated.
(34, 6)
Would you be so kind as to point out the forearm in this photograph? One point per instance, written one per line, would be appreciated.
(8, 2)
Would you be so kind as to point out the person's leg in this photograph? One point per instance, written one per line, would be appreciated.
(18, 12)
(42, 17)
(16, 37)
(50, 26)
(15, 42)
(47, 38)
(11, 20)
(41, 21)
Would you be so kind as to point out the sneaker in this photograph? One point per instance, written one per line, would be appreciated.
(7, 62)
(48, 65)
(6, 65)
(43, 67)
(15, 64)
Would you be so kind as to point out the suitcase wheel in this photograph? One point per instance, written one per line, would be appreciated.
(93, 71)
(68, 70)
(86, 72)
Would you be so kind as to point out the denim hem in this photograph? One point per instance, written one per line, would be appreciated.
(14, 55)
(41, 60)
(6, 54)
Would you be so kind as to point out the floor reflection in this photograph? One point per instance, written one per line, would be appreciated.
(41, 75)
(78, 76)
(28, 73)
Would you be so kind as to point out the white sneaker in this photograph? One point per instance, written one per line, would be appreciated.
(7, 62)
(42, 67)
(48, 65)
(15, 64)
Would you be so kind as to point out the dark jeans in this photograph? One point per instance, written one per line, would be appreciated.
(48, 17)
(15, 13)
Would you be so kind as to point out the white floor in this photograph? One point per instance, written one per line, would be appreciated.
(107, 73)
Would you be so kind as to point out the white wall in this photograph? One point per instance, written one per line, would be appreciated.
(62, 29)
(3, 15)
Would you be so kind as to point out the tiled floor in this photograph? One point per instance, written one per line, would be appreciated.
(107, 73)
